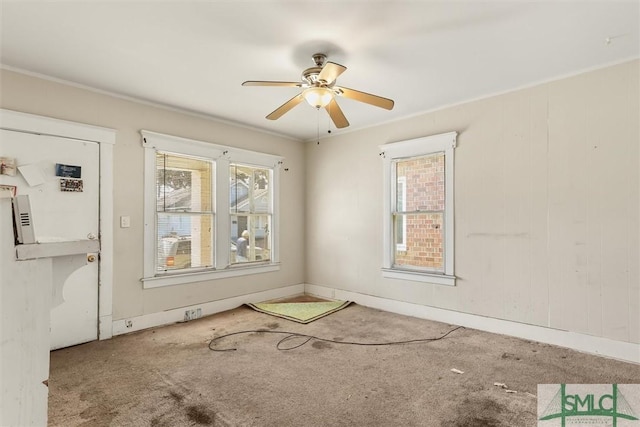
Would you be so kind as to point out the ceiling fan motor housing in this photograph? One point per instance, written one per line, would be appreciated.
(310, 75)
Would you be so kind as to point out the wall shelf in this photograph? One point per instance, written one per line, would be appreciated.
(56, 249)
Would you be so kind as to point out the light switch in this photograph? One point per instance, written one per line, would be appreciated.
(125, 221)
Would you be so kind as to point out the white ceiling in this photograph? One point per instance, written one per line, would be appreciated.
(194, 55)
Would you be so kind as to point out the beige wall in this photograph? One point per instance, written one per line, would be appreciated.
(547, 201)
(36, 96)
(546, 206)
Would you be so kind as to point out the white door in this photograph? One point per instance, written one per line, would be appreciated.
(61, 215)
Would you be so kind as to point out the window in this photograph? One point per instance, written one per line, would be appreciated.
(184, 212)
(250, 194)
(196, 226)
(418, 215)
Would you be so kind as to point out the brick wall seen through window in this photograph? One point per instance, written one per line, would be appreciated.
(421, 212)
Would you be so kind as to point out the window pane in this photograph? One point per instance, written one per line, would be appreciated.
(250, 238)
(184, 241)
(401, 197)
(420, 183)
(262, 190)
(183, 184)
(249, 190)
(400, 233)
(421, 246)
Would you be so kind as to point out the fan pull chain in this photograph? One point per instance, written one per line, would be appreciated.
(329, 121)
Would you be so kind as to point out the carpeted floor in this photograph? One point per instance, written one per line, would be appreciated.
(169, 377)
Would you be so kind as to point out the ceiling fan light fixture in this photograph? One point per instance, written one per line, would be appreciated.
(318, 97)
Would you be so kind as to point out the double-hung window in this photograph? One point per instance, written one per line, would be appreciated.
(184, 212)
(418, 212)
(210, 211)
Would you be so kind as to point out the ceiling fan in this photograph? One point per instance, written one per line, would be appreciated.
(320, 91)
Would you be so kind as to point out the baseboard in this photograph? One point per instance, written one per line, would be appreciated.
(628, 352)
(138, 323)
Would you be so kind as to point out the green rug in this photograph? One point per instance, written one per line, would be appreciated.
(301, 312)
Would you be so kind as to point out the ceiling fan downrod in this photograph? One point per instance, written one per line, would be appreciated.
(319, 59)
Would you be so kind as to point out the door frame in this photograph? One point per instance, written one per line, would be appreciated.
(106, 139)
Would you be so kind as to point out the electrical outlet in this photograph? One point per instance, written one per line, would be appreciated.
(192, 314)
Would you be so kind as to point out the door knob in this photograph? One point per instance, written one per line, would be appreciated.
(91, 258)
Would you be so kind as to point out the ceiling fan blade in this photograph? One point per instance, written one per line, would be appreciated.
(331, 71)
(368, 98)
(336, 114)
(279, 112)
(267, 83)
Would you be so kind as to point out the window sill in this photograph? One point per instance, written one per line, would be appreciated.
(416, 276)
(201, 276)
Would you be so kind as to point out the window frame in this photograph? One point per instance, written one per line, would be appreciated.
(221, 157)
(392, 152)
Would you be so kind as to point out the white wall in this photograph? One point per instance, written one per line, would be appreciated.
(43, 97)
(546, 206)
